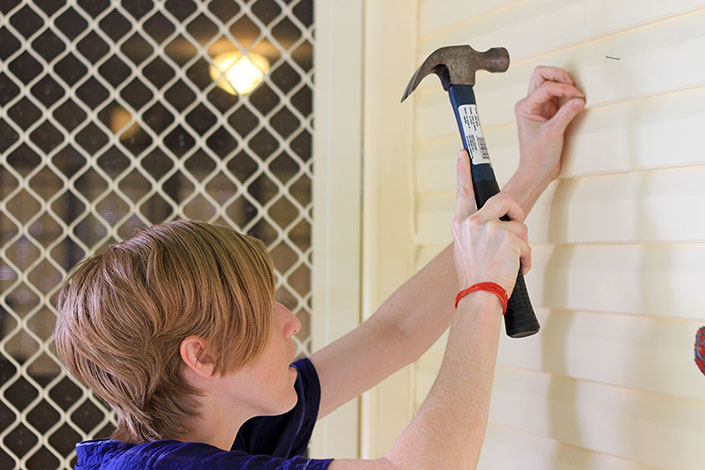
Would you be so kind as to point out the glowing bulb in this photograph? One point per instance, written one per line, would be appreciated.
(236, 73)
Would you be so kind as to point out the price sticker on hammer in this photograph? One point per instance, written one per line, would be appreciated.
(473, 134)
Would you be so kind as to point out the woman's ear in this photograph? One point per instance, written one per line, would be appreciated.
(195, 357)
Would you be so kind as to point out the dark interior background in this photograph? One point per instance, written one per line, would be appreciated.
(109, 121)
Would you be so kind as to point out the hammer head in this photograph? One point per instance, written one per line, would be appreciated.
(456, 65)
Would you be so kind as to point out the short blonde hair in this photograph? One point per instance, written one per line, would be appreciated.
(123, 314)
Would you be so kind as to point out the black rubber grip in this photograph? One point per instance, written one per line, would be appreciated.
(520, 319)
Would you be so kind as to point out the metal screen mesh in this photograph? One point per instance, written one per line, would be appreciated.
(109, 121)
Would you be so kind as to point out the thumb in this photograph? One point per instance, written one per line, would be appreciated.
(566, 114)
(465, 197)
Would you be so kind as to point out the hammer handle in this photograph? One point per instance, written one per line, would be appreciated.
(520, 319)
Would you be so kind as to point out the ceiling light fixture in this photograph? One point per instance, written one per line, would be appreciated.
(237, 73)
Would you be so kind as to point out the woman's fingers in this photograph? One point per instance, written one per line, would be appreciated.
(544, 73)
(487, 248)
(534, 102)
(565, 114)
(465, 197)
(500, 205)
(517, 228)
(524, 256)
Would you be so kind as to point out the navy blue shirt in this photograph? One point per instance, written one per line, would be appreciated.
(262, 443)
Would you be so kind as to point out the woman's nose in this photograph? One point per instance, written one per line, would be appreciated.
(294, 324)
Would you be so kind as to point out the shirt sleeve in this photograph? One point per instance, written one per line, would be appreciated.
(286, 435)
(197, 456)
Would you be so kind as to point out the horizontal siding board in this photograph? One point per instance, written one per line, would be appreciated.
(663, 280)
(644, 427)
(522, 27)
(655, 132)
(513, 27)
(435, 16)
(651, 354)
(636, 207)
(660, 131)
(507, 448)
(650, 206)
(676, 45)
(653, 429)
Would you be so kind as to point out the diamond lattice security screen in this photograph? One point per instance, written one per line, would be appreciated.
(109, 121)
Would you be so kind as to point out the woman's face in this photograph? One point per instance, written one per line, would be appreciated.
(267, 385)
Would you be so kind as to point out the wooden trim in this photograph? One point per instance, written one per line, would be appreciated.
(388, 247)
(337, 190)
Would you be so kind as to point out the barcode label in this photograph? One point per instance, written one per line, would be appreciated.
(483, 146)
(473, 134)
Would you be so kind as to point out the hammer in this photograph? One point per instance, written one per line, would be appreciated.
(456, 66)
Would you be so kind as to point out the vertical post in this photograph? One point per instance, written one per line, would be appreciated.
(389, 250)
(337, 188)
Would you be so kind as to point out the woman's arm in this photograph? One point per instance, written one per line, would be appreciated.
(449, 427)
(413, 318)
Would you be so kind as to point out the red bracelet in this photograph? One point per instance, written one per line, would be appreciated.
(496, 289)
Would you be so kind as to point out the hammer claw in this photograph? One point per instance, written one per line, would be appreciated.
(456, 65)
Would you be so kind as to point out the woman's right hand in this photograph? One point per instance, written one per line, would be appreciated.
(487, 249)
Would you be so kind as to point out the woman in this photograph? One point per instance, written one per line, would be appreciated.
(178, 331)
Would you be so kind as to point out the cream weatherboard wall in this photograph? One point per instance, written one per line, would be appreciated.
(618, 241)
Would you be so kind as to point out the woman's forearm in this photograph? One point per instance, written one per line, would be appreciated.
(422, 307)
(449, 427)
(525, 187)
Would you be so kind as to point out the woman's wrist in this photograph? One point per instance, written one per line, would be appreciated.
(492, 287)
(479, 302)
(526, 185)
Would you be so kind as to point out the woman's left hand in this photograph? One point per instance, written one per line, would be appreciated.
(542, 117)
